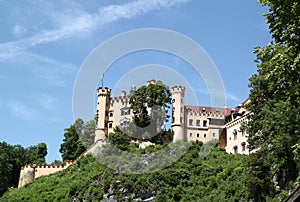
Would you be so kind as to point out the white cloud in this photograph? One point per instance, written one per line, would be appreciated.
(76, 22)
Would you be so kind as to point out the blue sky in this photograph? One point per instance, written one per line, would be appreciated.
(44, 43)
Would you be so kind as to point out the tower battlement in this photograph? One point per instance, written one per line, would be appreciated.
(178, 88)
(103, 91)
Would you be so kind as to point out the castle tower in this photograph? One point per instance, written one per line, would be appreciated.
(178, 113)
(102, 113)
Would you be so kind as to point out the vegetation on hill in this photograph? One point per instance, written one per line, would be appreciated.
(218, 178)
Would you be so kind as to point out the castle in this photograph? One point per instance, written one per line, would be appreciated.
(189, 123)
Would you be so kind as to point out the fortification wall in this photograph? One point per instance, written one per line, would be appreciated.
(31, 172)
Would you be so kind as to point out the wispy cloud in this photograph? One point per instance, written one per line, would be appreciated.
(78, 22)
(43, 107)
(23, 112)
(19, 30)
(45, 101)
(44, 70)
(52, 71)
(232, 97)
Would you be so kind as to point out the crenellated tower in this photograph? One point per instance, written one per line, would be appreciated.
(178, 118)
(103, 104)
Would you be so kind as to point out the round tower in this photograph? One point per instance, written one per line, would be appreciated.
(178, 118)
(103, 105)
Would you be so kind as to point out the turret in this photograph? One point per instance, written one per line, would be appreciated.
(103, 105)
(178, 119)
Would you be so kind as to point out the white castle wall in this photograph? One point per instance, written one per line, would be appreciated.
(236, 139)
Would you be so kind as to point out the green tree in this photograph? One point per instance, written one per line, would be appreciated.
(72, 146)
(274, 92)
(6, 166)
(42, 152)
(12, 157)
(77, 138)
(88, 133)
(155, 96)
(119, 138)
(79, 124)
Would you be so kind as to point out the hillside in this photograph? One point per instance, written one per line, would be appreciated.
(220, 177)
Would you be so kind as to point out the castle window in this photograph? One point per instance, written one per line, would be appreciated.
(190, 122)
(243, 146)
(198, 123)
(235, 149)
(124, 122)
(181, 109)
(110, 125)
(234, 134)
(125, 111)
(181, 120)
(214, 134)
(204, 135)
(204, 123)
(197, 134)
(111, 113)
(191, 134)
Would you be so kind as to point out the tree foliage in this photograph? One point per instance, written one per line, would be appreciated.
(72, 146)
(77, 138)
(274, 93)
(119, 138)
(12, 157)
(156, 97)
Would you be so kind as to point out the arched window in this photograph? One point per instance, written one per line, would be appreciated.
(234, 134)
(235, 149)
(243, 146)
(204, 135)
